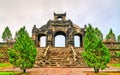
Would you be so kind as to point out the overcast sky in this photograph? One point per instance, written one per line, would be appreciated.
(104, 14)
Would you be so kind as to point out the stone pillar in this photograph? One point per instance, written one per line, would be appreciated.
(33, 37)
(71, 40)
(49, 40)
(66, 40)
(81, 41)
(37, 41)
(53, 41)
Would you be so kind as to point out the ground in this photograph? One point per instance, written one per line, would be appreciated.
(8, 69)
(64, 71)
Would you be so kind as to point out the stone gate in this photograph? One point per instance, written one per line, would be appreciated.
(51, 56)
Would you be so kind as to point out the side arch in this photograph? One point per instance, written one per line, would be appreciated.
(78, 39)
(42, 40)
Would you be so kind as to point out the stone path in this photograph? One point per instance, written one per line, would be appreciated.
(58, 71)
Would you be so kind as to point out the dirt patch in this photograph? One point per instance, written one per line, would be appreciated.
(48, 71)
(103, 73)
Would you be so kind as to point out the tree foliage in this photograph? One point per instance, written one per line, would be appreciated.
(24, 52)
(117, 53)
(7, 35)
(119, 38)
(99, 33)
(96, 54)
(110, 36)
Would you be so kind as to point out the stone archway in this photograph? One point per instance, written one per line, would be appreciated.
(61, 38)
(42, 40)
(60, 56)
(79, 40)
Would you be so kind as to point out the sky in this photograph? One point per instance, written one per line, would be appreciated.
(104, 14)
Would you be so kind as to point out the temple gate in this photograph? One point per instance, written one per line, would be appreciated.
(52, 56)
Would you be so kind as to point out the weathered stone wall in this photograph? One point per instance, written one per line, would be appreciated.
(3, 54)
(113, 47)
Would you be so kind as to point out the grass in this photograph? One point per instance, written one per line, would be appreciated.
(7, 65)
(102, 73)
(9, 73)
(3, 65)
(116, 65)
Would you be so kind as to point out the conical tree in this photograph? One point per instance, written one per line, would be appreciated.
(24, 52)
(7, 35)
(96, 54)
(99, 33)
(110, 36)
(119, 38)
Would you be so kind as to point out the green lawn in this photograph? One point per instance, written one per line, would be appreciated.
(8, 73)
(115, 65)
(5, 65)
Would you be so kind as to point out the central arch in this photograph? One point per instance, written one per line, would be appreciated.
(59, 39)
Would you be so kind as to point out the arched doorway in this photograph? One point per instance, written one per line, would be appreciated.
(78, 41)
(42, 40)
(59, 39)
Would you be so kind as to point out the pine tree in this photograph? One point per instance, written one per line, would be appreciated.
(99, 33)
(110, 36)
(7, 35)
(24, 52)
(96, 54)
(119, 38)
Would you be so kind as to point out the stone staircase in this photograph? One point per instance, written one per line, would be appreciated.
(59, 57)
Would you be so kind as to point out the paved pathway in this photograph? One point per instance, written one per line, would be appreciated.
(58, 71)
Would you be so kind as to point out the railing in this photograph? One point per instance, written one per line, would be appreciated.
(46, 51)
(74, 53)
